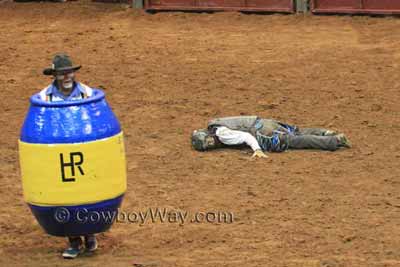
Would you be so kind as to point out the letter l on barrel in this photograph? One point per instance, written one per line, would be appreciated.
(71, 164)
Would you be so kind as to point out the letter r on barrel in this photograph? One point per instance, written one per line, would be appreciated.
(75, 160)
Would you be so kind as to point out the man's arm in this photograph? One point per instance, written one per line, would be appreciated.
(233, 137)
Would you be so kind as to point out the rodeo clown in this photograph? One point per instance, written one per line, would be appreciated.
(265, 135)
(65, 88)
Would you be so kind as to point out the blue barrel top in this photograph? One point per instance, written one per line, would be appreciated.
(69, 121)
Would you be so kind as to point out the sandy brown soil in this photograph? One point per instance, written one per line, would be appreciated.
(167, 74)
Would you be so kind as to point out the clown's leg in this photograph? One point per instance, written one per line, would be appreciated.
(316, 131)
(74, 249)
(313, 142)
(91, 243)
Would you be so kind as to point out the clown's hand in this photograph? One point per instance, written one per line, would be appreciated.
(259, 154)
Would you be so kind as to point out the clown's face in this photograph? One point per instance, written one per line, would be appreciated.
(65, 81)
(210, 142)
(202, 140)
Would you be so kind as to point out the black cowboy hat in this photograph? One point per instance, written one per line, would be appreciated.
(61, 62)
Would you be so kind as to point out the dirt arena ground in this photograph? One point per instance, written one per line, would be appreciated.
(165, 75)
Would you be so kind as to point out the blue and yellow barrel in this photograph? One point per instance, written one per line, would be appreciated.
(73, 165)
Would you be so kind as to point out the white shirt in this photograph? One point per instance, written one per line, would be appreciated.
(233, 137)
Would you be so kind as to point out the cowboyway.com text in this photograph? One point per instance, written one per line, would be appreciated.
(150, 215)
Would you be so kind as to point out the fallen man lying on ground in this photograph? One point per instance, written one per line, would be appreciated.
(265, 135)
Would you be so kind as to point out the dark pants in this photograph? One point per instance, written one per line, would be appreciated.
(307, 138)
(312, 138)
(76, 241)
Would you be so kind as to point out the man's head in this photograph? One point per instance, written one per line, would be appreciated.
(63, 71)
(202, 140)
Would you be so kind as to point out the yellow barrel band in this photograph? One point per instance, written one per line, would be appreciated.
(73, 174)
